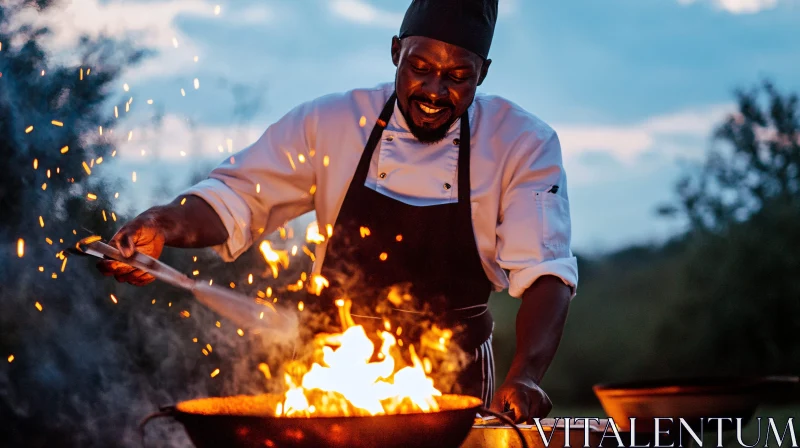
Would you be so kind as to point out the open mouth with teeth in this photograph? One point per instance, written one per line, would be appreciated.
(430, 113)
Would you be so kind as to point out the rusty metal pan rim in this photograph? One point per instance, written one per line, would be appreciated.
(467, 403)
(722, 385)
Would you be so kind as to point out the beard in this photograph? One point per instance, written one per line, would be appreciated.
(426, 133)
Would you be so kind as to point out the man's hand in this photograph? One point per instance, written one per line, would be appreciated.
(186, 222)
(142, 234)
(524, 397)
(540, 324)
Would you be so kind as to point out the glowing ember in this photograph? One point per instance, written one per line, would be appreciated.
(274, 258)
(348, 383)
(317, 283)
(57, 123)
(240, 332)
(10, 358)
(364, 231)
(20, 248)
(384, 256)
(38, 306)
(114, 298)
(214, 373)
(312, 233)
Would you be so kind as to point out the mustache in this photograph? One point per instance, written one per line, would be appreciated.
(428, 102)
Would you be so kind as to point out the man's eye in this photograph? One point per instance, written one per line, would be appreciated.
(419, 69)
(457, 78)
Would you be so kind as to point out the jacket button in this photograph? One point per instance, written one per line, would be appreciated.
(389, 138)
(382, 175)
(447, 186)
(456, 141)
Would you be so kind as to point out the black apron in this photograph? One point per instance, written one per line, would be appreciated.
(427, 252)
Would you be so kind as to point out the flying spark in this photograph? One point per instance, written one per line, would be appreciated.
(57, 123)
(20, 248)
(214, 373)
(39, 306)
(114, 298)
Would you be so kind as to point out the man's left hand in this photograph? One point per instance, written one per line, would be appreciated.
(524, 397)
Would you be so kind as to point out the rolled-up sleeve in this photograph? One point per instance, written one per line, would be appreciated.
(534, 229)
(268, 183)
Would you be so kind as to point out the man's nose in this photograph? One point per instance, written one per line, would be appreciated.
(434, 89)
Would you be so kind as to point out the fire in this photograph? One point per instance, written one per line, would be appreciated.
(348, 383)
(317, 283)
(313, 235)
(274, 257)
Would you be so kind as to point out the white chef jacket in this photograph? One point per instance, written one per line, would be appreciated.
(522, 229)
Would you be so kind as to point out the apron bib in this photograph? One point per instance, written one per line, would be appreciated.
(426, 253)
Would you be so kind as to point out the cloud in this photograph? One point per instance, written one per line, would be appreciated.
(360, 11)
(178, 139)
(151, 24)
(639, 146)
(628, 142)
(738, 6)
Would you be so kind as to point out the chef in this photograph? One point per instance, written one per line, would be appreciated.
(460, 194)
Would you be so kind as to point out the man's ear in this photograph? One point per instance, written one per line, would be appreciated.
(484, 70)
(397, 45)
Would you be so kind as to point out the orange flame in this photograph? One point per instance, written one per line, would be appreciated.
(348, 382)
(274, 257)
(313, 235)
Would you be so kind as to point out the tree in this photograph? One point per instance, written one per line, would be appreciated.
(756, 162)
(740, 307)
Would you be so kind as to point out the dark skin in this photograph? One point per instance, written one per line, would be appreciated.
(435, 76)
(430, 74)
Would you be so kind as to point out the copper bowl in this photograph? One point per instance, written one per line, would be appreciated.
(692, 399)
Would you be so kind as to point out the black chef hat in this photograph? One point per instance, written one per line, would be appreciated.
(466, 23)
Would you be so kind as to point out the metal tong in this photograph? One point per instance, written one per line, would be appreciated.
(232, 305)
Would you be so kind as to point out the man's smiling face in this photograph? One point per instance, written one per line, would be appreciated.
(435, 83)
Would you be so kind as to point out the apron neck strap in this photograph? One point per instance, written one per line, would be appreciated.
(463, 161)
(366, 157)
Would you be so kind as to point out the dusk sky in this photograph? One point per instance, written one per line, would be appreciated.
(633, 87)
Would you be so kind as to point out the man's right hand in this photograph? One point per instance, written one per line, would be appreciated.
(142, 234)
